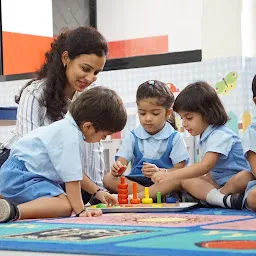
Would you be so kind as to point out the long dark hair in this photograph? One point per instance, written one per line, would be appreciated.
(161, 92)
(201, 98)
(83, 40)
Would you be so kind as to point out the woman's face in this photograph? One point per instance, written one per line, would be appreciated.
(82, 71)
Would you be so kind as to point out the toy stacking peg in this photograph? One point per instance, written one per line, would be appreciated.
(135, 199)
(121, 170)
(122, 189)
(158, 198)
(147, 199)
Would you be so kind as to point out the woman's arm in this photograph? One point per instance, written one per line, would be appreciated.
(93, 189)
(88, 185)
(94, 162)
(31, 114)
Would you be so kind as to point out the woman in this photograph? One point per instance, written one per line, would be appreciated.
(71, 65)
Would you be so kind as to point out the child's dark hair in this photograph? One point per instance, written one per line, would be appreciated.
(254, 86)
(201, 98)
(101, 106)
(159, 91)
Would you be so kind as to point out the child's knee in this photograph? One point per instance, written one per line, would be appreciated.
(242, 178)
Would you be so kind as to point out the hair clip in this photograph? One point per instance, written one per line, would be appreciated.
(151, 82)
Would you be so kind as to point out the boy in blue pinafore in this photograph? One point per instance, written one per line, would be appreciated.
(223, 172)
(154, 146)
(249, 145)
(52, 155)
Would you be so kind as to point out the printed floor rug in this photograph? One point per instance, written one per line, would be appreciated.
(194, 232)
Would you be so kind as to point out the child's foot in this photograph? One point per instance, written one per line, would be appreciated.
(236, 201)
(8, 211)
(204, 204)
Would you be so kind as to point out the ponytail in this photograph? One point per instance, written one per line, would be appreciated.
(172, 121)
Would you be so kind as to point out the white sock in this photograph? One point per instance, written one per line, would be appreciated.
(215, 197)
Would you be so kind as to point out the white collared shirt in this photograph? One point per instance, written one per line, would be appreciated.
(154, 146)
(31, 115)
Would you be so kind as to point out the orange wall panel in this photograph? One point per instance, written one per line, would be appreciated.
(23, 53)
(138, 47)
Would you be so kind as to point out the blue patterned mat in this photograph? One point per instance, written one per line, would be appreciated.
(195, 232)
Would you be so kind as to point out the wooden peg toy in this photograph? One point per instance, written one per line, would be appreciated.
(147, 199)
(121, 170)
(122, 189)
(135, 199)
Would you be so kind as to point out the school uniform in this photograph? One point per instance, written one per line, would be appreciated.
(31, 115)
(164, 149)
(249, 144)
(42, 160)
(222, 140)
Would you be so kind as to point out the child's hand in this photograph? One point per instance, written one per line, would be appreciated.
(106, 198)
(91, 213)
(117, 169)
(149, 169)
(159, 177)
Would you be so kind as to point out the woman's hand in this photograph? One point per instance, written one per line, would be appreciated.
(106, 198)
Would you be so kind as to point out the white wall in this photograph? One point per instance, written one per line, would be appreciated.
(33, 17)
(249, 28)
(131, 19)
(221, 28)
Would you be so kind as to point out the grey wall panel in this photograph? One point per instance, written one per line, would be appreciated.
(70, 13)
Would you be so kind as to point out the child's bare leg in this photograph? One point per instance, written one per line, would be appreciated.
(251, 200)
(199, 187)
(164, 188)
(46, 207)
(238, 183)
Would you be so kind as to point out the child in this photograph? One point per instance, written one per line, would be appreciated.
(249, 145)
(48, 156)
(154, 146)
(223, 170)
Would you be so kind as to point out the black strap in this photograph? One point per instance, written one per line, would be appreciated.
(96, 192)
(78, 215)
(225, 200)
